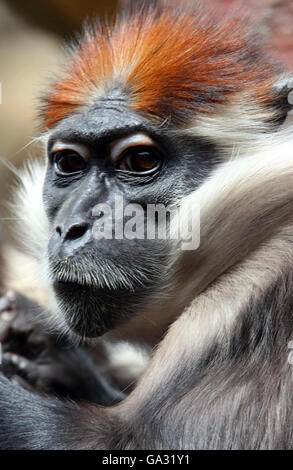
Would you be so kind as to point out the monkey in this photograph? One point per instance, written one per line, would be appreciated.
(176, 107)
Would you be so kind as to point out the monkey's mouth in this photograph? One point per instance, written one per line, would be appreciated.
(97, 293)
(60, 281)
(97, 274)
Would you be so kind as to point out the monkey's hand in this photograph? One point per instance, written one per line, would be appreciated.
(42, 362)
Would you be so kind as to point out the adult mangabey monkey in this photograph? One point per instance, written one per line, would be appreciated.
(167, 106)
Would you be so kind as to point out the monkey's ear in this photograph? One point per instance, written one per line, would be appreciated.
(283, 100)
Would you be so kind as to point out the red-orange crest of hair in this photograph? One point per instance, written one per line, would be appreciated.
(169, 63)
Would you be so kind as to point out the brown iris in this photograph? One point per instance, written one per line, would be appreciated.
(69, 161)
(139, 160)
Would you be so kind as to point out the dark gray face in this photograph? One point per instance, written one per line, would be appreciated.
(108, 152)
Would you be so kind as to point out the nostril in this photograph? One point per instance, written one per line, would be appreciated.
(59, 231)
(76, 231)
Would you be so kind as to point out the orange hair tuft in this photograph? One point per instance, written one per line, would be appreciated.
(170, 63)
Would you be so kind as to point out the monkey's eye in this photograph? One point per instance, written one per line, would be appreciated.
(70, 159)
(136, 153)
(140, 160)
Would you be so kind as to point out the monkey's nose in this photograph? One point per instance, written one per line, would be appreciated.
(72, 238)
(76, 231)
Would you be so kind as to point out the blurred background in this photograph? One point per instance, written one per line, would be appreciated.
(32, 34)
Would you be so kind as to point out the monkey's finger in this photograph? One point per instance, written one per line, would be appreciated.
(8, 313)
(8, 302)
(19, 365)
(6, 320)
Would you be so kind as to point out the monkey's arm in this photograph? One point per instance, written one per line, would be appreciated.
(32, 421)
(44, 362)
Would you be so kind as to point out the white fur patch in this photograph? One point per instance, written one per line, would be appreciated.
(32, 227)
(238, 128)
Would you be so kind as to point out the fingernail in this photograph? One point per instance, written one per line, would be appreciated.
(7, 316)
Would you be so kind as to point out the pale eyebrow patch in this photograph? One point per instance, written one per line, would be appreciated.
(134, 140)
(81, 149)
